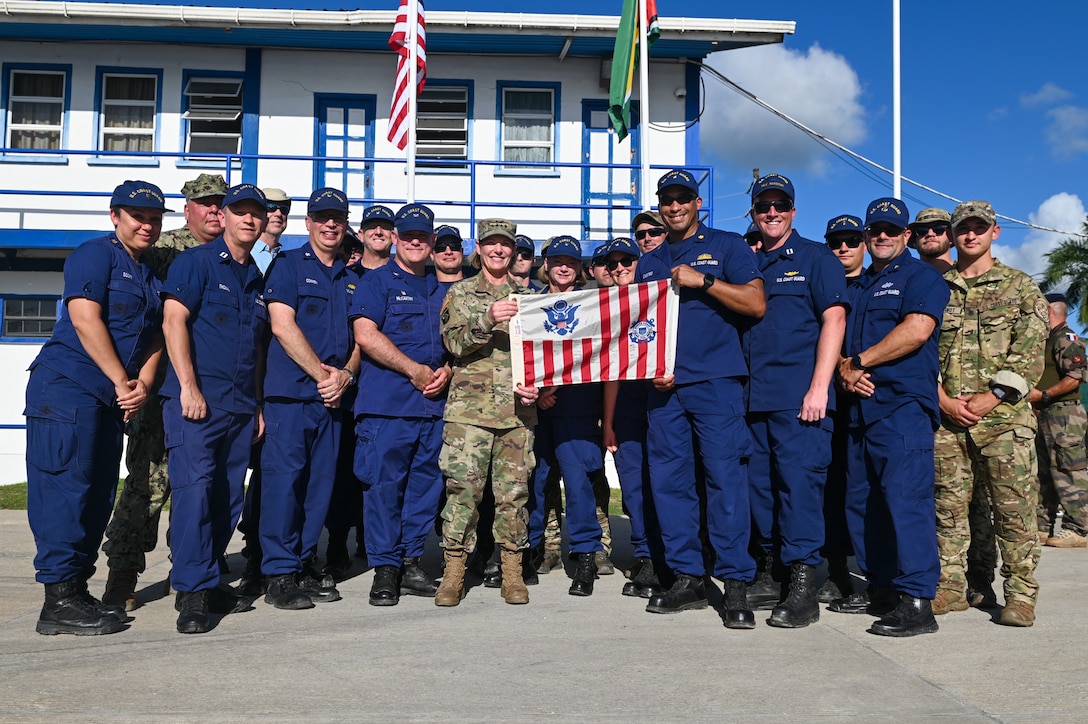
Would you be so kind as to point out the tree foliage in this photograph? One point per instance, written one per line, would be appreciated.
(1067, 266)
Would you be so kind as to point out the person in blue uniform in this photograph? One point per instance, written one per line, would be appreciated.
(214, 321)
(890, 363)
(792, 355)
(568, 438)
(95, 372)
(404, 377)
(720, 292)
(312, 361)
(522, 269)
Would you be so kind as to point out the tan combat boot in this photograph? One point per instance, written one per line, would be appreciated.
(513, 585)
(1017, 612)
(452, 589)
(948, 601)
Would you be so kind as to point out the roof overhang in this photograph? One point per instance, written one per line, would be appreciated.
(453, 32)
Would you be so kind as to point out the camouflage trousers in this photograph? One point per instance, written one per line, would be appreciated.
(1006, 467)
(134, 528)
(469, 455)
(982, 554)
(553, 507)
(1063, 466)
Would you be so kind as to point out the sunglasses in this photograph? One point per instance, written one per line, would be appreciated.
(888, 230)
(852, 242)
(284, 209)
(780, 205)
(753, 239)
(614, 264)
(323, 217)
(923, 229)
(525, 254)
(451, 245)
(652, 231)
(664, 200)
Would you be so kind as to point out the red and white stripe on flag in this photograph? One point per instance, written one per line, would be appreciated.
(399, 43)
(597, 335)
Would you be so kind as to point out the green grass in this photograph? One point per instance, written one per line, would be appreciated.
(13, 497)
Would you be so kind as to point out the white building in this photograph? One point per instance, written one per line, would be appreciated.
(92, 94)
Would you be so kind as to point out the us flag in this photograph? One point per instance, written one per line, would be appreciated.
(400, 41)
(597, 335)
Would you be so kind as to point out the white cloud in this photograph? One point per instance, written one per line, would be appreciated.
(817, 87)
(1062, 211)
(1048, 94)
(1067, 133)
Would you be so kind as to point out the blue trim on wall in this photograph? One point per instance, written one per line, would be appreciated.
(251, 114)
(556, 89)
(5, 100)
(99, 73)
(45, 238)
(692, 104)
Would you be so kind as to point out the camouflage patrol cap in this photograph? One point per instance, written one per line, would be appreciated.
(496, 227)
(973, 210)
(932, 216)
(205, 185)
(647, 217)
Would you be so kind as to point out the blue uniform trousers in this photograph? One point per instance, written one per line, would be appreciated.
(298, 463)
(396, 460)
(634, 475)
(786, 478)
(890, 478)
(250, 523)
(836, 530)
(573, 445)
(207, 461)
(73, 457)
(346, 505)
(712, 410)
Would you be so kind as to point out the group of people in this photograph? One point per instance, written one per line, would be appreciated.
(809, 401)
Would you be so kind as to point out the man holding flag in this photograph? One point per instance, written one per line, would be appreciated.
(720, 291)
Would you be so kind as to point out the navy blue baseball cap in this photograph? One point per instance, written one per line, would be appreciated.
(327, 199)
(245, 192)
(889, 210)
(524, 242)
(447, 232)
(753, 230)
(563, 246)
(678, 177)
(414, 217)
(846, 222)
(139, 195)
(624, 244)
(376, 214)
(773, 181)
(600, 253)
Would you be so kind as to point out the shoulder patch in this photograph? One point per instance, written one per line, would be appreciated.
(1071, 336)
(1042, 310)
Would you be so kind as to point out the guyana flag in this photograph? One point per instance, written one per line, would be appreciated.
(624, 62)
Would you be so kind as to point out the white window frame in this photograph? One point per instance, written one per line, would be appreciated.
(549, 117)
(105, 103)
(8, 316)
(197, 111)
(59, 101)
(453, 150)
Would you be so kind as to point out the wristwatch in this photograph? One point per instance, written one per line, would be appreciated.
(1045, 398)
(351, 375)
(856, 361)
(708, 281)
(999, 393)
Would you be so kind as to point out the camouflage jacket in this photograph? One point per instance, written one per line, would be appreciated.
(1064, 358)
(482, 388)
(993, 332)
(171, 243)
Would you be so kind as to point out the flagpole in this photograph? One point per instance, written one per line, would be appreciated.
(897, 109)
(644, 103)
(413, 72)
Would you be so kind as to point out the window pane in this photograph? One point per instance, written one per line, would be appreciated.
(130, 88)
(214, 115)
(442, 124)
(127, 142)
(528, 130)
(41, 113)
(29, 317)
(129, 116)
(49, 140)
(42, 85)
(532, 154)
(213, 144)
(524, 101)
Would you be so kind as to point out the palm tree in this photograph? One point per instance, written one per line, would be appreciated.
(1068, 264)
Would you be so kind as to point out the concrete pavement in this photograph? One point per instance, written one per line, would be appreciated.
(560, 657)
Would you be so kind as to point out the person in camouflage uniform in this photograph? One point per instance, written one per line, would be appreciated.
(991, 350)
(1063, 461)
(489, 423)
(134, 528)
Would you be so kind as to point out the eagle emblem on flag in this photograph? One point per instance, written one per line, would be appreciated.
(561, 319)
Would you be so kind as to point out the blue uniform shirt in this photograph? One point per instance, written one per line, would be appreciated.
(227, 320)
(101, 270)
(906, 286)
(321, 297)
(802, 280)
(405, 309)
(707, 334)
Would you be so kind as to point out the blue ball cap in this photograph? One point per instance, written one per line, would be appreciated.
(773, 181)
(600, 252)
(139, 195)
(376, 214)
(623, 244)
(245, 192)
(414, 217)
(678, 177)
(752, 229)
(447, 231)
(524, 242)
(327, 199)
(564, 246)
(890, 210)
(846, 222)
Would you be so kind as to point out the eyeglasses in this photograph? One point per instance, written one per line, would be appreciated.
(852, 242)
(753, 239)
(614, 264)
(525, 254)
(888, 230)
(284, 209)
(780, 205)
(923, 229)
(324, 217)
(664, 200)
(451, 245)
(652, 231)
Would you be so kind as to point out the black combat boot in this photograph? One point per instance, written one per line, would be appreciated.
(252, 582)
(68, 610)
(337, 558)
(283, 592)
(193, 611)
(644, 581)
(766, 591)
(384, 591)
(584, 575)
(911, 617)
(800, 607)
(320, 589)
(839, 584)
(492, 573)
(529, 562)
(687, 594)
(414, 581)
(737, 613)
